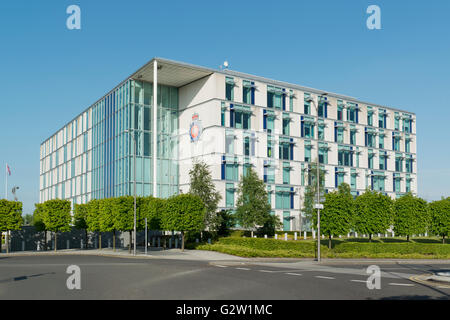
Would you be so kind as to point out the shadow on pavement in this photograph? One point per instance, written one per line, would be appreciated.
(20, 278)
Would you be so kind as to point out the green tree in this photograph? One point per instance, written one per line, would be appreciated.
(373, 213)
(227, 221)
(80, 212)
(57, 217)
(107, 218)
(203, 186)
(10, 217)
(28, 219)
(184, 212)
(411, 216)
(269, 227)
(252, 206)
(152, 209)
(38, 221)
(440, 217)
(123, 211)
(337, 214)
(93, 219)
(310, 195)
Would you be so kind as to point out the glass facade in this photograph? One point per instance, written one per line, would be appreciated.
(92, 157)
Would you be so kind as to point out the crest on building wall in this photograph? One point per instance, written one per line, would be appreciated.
(196, 128)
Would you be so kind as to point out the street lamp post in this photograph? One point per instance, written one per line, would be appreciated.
(134, 183)
(317, 205)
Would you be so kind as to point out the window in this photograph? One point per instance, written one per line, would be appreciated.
(229, 142)
(246, 146)
(395, 142)
(370, 157)
(286, 172)
(268, 121)
(229, 197)
(409, 165)
(398, 163)
(407, 123)
(229, 89)
(397, 121)
(247, 165)
(229, 169)
(353, 179)
(383, 161)
(369, 138)
(382, 118)
(286, 122)
(353, 136)
(352, 112)
(248, 92)
(340, 110)
(378, 181)
(407, 144)
(269, 172)
(323, 153)
(369, 116)
(222, 114)
(339, 175)
(307, 104)
(345, 156)
(381, 140)
(270, 153)
(396, 179)
(323, 107)
(307, 149)
(240, 117)
(286, 221)
(286, 149)
(276, 97)
(338, 133)
(321, 131)
(408, 184)
(283, 198)
(307, 127)
(291, 100)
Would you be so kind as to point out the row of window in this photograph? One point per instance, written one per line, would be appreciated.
(277, 98)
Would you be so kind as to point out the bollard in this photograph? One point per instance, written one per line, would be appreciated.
(81, 244)
(385, 235)
(23, 245)
(68, 244)
(323, 237)
(285, 237)
(348, 235)
(356, 234)
(314, 234)
(426, 234)
(38, 248)
(340, 236)
(379, 235)
(265, 236)
(109, 243)
(276, 236)
(304, 235)
(295, 236)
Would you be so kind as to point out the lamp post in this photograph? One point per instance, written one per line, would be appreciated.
(317, 205)
(134, 169)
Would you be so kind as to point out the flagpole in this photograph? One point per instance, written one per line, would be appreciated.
(6, 183)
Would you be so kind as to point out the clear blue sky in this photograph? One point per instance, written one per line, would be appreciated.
(48, 74)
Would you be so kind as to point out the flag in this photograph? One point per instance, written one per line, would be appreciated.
(8, 170)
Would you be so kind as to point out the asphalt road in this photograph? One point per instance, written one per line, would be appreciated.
(44, 277)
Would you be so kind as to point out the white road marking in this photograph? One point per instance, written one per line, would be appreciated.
(401, 284)
(364, 281)
(322, 277)
(441, 287)
(220, 266)
(266, 271)
(294, 274)
(243, 268)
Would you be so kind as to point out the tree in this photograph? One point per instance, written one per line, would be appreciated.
(107, 218)
(411, 216)
(440, 217)
(80, 212)
(336, 216)
(253, 208)
(38, 221)
(152, 209)
(10, 218)
(203, 186)
(184, 212)
(310, 195)
(123, 211)
(57, 217)
(92, 218)
(226, 221)
(272, 223)
(373, 213)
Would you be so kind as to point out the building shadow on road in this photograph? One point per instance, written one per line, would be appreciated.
(414, 297)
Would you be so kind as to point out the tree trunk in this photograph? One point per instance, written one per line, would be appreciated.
(329, 241)
(100, 240)
(114, 240)
(407, 238)
(56, 241)
(85, 238)
(182, 240)
(443, 239)
(370, 237)
(252, 233)
(7, 242)
(129, 243)
(45, 240)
